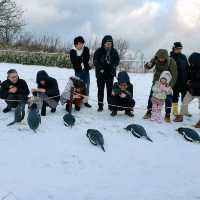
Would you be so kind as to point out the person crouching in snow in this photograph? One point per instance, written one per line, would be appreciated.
(122, 95)
(160, 90)
(74, 93)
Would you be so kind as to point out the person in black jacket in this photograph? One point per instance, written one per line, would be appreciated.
(12, 89)
(193, 87)
(183, 74)
(106, 60)
(80, 56)
(122, 95)
(47, 90)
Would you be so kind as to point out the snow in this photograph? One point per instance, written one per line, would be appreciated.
(59, 163)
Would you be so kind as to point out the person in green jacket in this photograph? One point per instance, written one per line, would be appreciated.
(162, 62)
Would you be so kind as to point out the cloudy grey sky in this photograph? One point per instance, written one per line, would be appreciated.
(146, 24)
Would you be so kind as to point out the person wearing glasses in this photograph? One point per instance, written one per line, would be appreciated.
(13, 89)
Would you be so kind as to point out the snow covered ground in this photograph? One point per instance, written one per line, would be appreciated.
(59, 163)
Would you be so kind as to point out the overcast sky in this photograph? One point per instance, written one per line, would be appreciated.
(147, 25)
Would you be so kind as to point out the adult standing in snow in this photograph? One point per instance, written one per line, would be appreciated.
(162, 62)
(183, 74)
(47, 90)
(80, 56)
(193, 87)
(122, 95)
(106, 60)
(12, 89)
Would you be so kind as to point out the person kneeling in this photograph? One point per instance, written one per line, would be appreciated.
(74, 93)
(122, 95)
(48, 91)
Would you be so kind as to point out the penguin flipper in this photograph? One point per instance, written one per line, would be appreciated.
(10, 124)
(149, 139)
(102, 147)
(135, 134)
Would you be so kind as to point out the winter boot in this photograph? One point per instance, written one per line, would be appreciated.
(198, 124)
(147, 115)
(167, 118)
(175, 109)
(87, 105)
(129, 113)
(179, 118)
(114, 113)
(7, 109)
(100, 109)
(53, 110)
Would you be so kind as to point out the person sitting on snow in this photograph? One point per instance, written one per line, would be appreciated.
(12, 89)
(160, 91)
(193, 87)
(122, 95)
(48, 91)
(74, 93)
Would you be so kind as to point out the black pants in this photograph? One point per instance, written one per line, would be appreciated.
(18, 97)
(119, 104)
(176, 93)
(103, 81)
(168, 103)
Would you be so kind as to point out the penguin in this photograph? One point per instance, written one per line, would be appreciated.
(19, 113)
(96, 138)
(34, 118)
(189, 134)
(138, 131)
(69, 120)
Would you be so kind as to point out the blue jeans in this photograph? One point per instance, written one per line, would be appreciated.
(85, 77)
(168, 103)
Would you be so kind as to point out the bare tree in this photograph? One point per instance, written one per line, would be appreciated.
(11, 20)
(122, 46)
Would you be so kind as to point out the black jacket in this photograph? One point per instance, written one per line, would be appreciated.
(106, 61)
(51, 85)
(182, 68)
(21, 85)
(78, 60)
(129, 92)
(194, 61)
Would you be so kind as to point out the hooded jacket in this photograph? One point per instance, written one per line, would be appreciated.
(168, 65)
(158, 91)
(51, 84)
(106, 60)
(123, 77)
(194, 61)
(21, 85)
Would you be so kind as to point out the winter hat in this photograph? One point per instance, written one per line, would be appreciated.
(79, 39)
(123, 77)
(166, 75)
(42, 76)
(107, 38)
(162, 53)
(177, 45)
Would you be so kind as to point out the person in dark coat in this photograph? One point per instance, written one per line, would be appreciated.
(13, 88)
(183, 74)
(193, 87)
(122, 95)
(106, 60)
(47, 90)
(80, 56)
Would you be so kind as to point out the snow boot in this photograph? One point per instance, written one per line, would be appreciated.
(147, 115)
(129, 113)
(198, 124)
(114, 113)
(175, 109)
(167, 118)
(179, 118)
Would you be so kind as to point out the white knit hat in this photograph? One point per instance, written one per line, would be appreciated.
(166, 75)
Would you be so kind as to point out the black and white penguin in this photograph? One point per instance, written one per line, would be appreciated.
(96, 138)
(138, 131)
(34, 118)
(189, 134)
(19, 113)
(69, 120)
